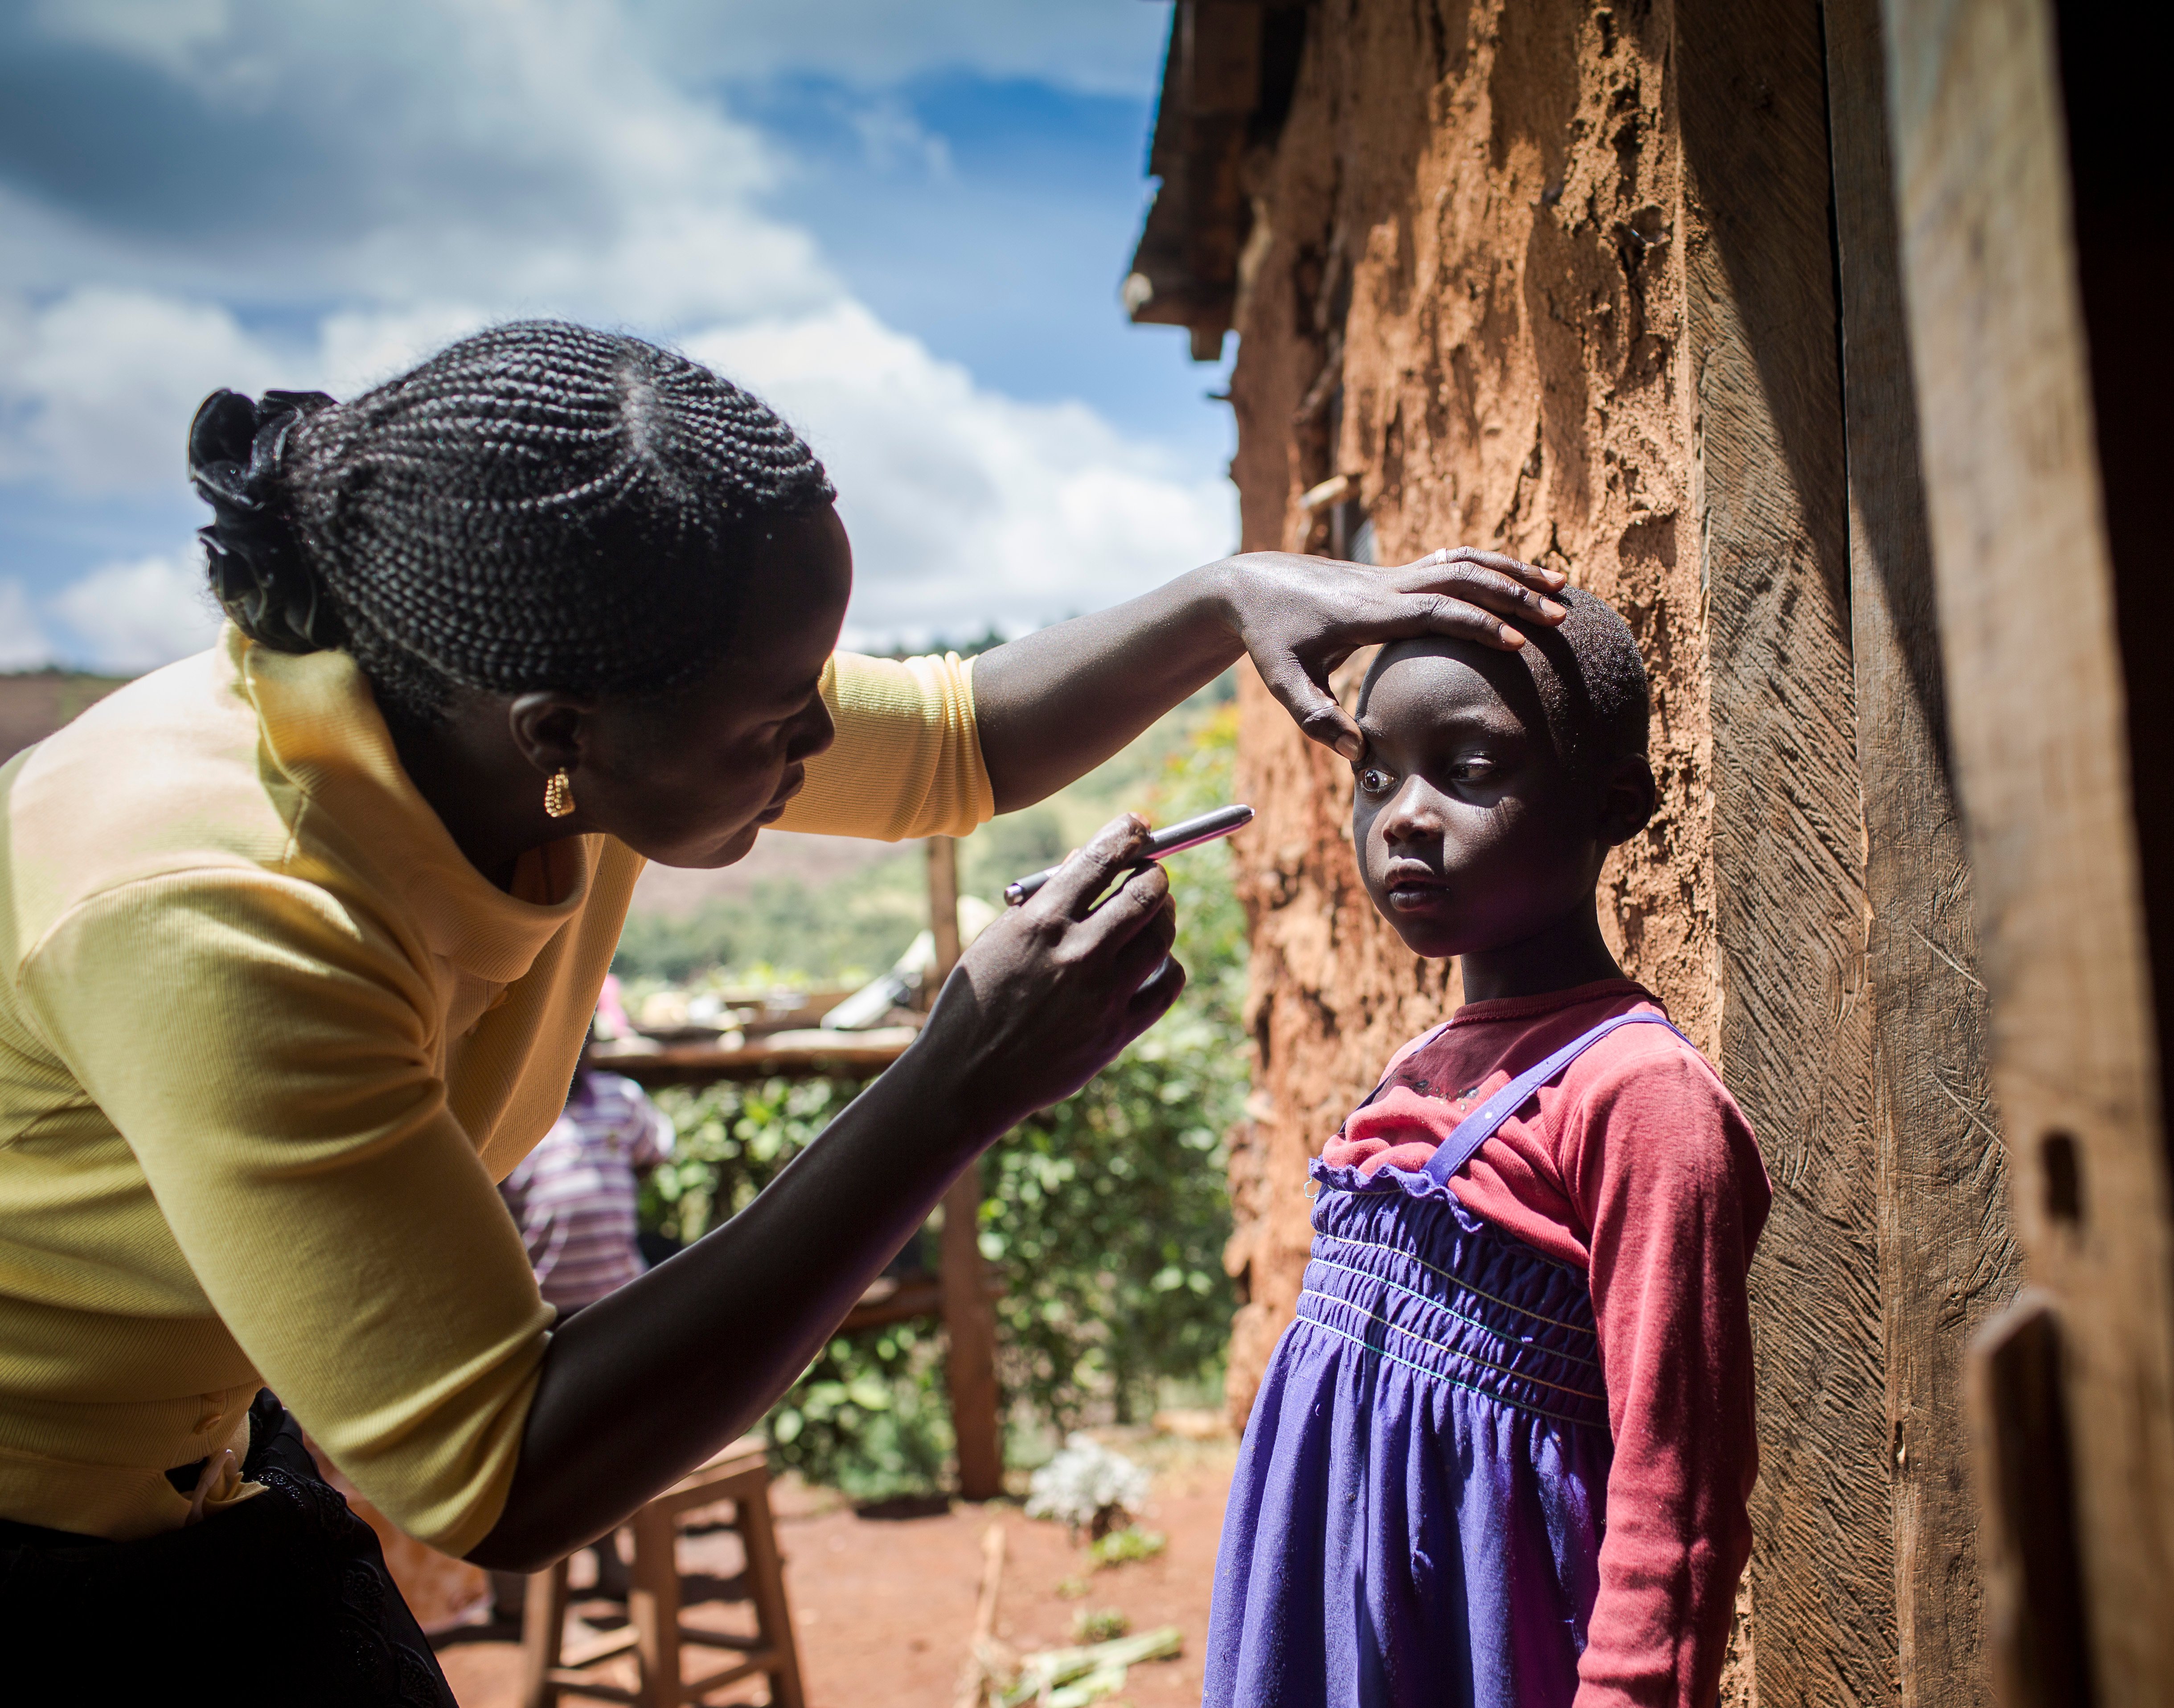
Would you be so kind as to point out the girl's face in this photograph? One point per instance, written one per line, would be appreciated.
(690, 778)
(1472, 834)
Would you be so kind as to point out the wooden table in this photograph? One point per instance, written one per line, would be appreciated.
(702, 1064)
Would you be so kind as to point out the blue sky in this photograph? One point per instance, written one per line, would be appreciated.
(904, 223)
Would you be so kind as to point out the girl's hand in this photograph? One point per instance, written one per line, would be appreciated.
(1302, 617)
(1051, 991)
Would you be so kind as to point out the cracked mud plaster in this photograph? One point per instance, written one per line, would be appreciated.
(1466, 296)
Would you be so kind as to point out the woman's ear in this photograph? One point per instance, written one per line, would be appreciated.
(1629, 797)
(548, 728)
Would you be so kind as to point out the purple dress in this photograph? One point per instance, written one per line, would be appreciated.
(1418, 1508)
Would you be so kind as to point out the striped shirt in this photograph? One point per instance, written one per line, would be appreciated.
(573, 1197)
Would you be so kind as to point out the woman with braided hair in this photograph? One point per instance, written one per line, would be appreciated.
(302, 935)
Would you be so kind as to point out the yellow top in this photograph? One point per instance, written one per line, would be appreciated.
(266, 1039)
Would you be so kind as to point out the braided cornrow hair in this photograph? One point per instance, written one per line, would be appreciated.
(539, 505)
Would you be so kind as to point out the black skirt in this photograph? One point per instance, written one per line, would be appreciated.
(283, 1599)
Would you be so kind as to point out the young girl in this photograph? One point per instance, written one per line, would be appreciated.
(1501, 1457)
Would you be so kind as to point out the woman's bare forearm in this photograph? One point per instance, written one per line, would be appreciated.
(1053, 704)
(645, 1385)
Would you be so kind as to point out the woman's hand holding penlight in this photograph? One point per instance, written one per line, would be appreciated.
(1051, 990)
(647, 1383)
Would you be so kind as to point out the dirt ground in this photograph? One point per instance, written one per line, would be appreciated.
(883, 1600)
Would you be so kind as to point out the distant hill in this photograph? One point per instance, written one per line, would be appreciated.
(34, 703)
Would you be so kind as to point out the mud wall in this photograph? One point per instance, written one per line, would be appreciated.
(1465, 292)
(1559, 280)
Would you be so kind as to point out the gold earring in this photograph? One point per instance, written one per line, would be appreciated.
(559, 794)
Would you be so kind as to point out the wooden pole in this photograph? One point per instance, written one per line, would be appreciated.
(1768, 509)
(2026, 572)
(1946, 1256)
(970, 1322)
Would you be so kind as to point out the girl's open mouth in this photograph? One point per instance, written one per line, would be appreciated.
(1412, 890)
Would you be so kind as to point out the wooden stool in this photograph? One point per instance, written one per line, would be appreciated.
(740, 1474)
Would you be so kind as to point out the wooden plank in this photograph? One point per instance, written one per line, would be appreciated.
(699, 1064)
(583, 1656)
(969, 1322)
(2113, 62)
(652, 1605)
(567, 1682)
(1770, 502)
(2024, 583)
(1946, 1255)
(888, 1301)
(543, 1616)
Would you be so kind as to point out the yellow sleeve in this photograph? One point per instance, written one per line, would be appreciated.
(907, 761)
(267, 1053)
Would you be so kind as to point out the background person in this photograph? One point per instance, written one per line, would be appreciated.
(576, 1201)
(575, 1198)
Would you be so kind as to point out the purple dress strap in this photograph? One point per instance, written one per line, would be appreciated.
(1478, 1126)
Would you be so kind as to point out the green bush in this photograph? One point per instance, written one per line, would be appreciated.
(1108, 1215)
(869, 1415)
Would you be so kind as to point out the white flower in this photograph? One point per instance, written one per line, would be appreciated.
(1085, 1481)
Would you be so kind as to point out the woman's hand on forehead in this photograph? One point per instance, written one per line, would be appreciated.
(1302, 617)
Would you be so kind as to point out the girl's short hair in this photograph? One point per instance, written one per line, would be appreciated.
(1591, 681)
(539, 505)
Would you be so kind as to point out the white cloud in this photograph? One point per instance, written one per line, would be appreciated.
(967, 506)
(96, 388)
(23, 644)
(166, 33)
(359, 348)
(470, 162)
(892, 136)
(524, 155)
(485, 160)
(138, 615)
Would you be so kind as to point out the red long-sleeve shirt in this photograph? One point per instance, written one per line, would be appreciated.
(1638, 1166)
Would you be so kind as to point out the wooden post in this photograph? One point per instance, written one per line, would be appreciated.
(653, 1604)
(765, 1581)
(1946, 1255)
(544, 1617)
(1770, 514)
(969, 1321)
(2038, 708)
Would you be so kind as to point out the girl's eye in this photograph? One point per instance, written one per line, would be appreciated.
(1372, 779)
(1473, 770)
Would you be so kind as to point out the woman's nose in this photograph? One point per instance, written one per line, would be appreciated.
(817, 730)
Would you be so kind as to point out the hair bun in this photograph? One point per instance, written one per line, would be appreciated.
(258, 573)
